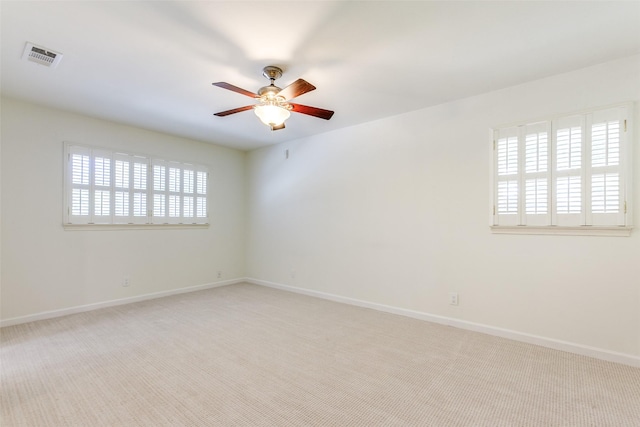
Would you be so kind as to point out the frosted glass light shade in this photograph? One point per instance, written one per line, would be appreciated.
(272, 115)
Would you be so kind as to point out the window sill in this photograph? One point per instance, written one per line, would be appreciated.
(113, 227)
(563, 231)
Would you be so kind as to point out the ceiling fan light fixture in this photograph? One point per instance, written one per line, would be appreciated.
(273, 106)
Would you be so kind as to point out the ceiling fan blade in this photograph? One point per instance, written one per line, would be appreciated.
(229, 86)
(235, 110)
(312, 111)
(296, 88)
(277, 127)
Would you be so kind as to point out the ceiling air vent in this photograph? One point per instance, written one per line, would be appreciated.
(41, 55)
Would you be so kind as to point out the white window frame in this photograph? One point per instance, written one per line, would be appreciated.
(514, 211)
(126, 188)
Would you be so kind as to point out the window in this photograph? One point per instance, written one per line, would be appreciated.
(107, 187)
(566, 172)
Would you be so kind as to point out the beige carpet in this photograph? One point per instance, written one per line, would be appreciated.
(245, 355)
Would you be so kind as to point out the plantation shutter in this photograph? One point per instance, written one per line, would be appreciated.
(140, 190)
(78, 185)
(184, 193)
(569, 189)
(188, 198)
(506, 177)
(159, 192)
(105, 187)
(606, 187)
(202, 213)
(536, 170)
(102, 187)
(573, 171)
(122, 177)
(174, 193)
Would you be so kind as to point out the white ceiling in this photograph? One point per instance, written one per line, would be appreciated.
(151, 63)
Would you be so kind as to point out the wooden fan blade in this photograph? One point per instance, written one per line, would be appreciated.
(235, 110)
(296, 88)
(312, 111)
(277, 127)
(229, 86)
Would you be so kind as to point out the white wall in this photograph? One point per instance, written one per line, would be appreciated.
(393, 212)
(46, 268)
(397, 212)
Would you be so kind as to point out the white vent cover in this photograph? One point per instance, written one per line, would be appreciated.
(41, 55)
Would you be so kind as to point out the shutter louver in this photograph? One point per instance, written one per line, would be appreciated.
(508, 197)
(508, 156)
(605, 193)
(140, 176)
(139, 205)
(569, 148)
(201, 208)
(174, 206)
(102, 205)
(569, 195)
(80, 202)
(121, 204)
(605, 144)
(202, 182)
(536, 147)
(158, 178)
(80, 167)
(102, 172)
(188, 207)
(174, 180)
(159, 205)
(536, 196)
(188, 181)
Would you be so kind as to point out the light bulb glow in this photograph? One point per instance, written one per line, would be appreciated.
(271, 112)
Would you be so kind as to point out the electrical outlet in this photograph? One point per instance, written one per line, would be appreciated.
(453, 298)
(219, 274)
(126, 281)
(292, 274)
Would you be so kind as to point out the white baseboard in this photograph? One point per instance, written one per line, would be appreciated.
(88, 307)
(570, 347)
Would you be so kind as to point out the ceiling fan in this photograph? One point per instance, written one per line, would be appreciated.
(273, 106)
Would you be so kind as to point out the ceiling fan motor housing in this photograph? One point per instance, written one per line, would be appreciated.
(270, 91)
